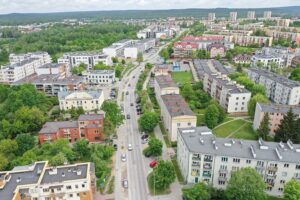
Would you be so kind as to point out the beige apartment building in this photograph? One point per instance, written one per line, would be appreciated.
(88, 100)
(276, 113)
(164, 85)
(42, 182)
(175, 114)
(202, 156)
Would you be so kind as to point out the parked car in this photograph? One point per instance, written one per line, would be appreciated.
(153, 163)
(144, 141)
(116, 147)
(123, 157)
(127, 93)
(125, 183)
(128, 116)
(131, 104)
(129, 147)
(145, 136)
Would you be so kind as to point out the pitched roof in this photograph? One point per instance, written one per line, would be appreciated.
(53, 127)
(176, 105)
(165, 81)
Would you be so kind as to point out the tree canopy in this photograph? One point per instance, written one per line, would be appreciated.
(291, 190)
(148, 121)
(259, 98)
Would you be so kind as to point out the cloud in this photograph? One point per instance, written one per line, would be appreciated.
(25, 6)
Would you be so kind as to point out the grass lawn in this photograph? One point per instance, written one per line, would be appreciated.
(178, 172)
(274, 198)
(244, 128)
(182, 77)
(200, 120)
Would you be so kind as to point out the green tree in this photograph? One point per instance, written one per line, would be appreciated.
(245, 184)
(295, 75)
(263, 130)
(259, 98)
(187, 92)
(3, 162)
(57, 160)
(25, 142)
(163, 175)
(211, 116)
(81, 148)
(258, 89)
(239, 68)
(140, 57)
(78, 70)
(199, 191)
(148, 121)
(286, 128)
(164, 54)
(292, 190)
(115, 60)
(101, 66)
(154, 147)
(8, 146)
(123, 62)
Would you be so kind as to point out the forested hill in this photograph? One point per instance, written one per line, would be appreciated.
(17, 18)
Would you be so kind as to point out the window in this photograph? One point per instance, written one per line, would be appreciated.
(244, 98)
(189, 124)
(178, 124)
(70, 195)
(76, 186)
(282, 181)
(78, 194)
(297, 166)
(284, 174)
(286, 165)
(236, 160)
(280, 189)
(221, 182)
(69, 187)
(248, 161)
(236, 103)
(83, 185)
(224, 159)
(45, 190)
(237, 98)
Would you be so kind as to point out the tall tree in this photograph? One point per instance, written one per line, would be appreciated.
(140, 57)
(199, 191)
(287, 128)
(154, 147)
(25, 142)
(211, 116)
(292, 190)
(263, 130)
(259, 98)
(245, 184)
(148, 121)
(81, 148)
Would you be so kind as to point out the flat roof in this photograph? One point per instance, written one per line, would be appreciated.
(94, 94)
(165, 81)
(91, 117)
(200, 140)
(176, 105)
(278, 108)
(53, 127)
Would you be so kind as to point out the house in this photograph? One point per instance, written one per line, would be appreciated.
(99, 76)
(164, 85)
(161, 70)
(89, 127)
(87, 100)
(216, 50)
(242, 59)
(40, 181)
(203, 157)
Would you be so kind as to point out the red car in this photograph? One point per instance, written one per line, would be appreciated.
(153, 164)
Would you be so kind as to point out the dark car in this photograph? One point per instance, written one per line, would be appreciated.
(128, 116)
(145, 136)
(116, 147)
(127, 93)
(131, 104)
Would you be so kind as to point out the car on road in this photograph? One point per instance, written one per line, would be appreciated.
(128, 116)
(133, 77)
(125, 183)
(123, 157)
(153, 163)
(145, 136)
(129, 85)
(131, 104)
(116, 147)
(127, 93)
(129, 147)
(144, 141)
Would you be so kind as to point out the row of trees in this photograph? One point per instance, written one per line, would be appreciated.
(245, 184)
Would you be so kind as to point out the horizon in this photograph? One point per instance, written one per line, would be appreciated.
(52, 6)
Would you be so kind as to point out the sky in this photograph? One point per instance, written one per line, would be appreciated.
(41, 6)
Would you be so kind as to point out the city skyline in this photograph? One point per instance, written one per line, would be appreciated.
(48, 6)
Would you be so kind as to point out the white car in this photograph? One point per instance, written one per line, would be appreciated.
(129, 147)
(125, 183)
(123, 157)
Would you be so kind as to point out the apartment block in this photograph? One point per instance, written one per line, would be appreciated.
(242, 59)
(44, 57)
(184, 49)
(278, 34)
(89, 127)
(117, 48)
(279, 89)
(251, 15)
(216, 50)
(283, 22)
(282, 56)
(176, 113)
(276, 113)
(90, 59)
(164, 85)
(230, 95)
(233, 16)
(88, 100)
(40, 181)
(158, 31)
(201, 156)
(268, 14)
(132, 51)
(161, 70)
(54, 68)
(99, 77)
(211, 16)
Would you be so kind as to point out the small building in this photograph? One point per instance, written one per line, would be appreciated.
(176, 113)
(99, 77)
(89, 127)
(41, 181)
(164, 85)
(176, 67)
(295, 62)
(242, 59)
(161, 70)
(216, 50)
(276, 113)
(88, 100)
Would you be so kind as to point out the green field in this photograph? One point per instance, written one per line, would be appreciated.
(239, 129)
(182, 77)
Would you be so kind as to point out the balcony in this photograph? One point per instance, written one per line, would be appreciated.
(223, 170)
(272, 168)
(259, 168)
(196, 164)
(221, 178)
(206, 174)
(207, 166)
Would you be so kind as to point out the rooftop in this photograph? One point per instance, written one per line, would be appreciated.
(275, 77)
(101, 72)
(91, 117)
(165, 81)
(176, 105)
(80, 94)
(53, 127)
(278, 108)
(201, 140)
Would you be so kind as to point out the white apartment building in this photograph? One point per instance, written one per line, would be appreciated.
(268, 14)
(211, 16)
(88, 100)
(90, 59)
(176, 113)
(99, 77)
(233, 16)
(251, 15)
(282, 56)
(117, 48)
(53, 68)
(14, 72)
(279, 89)
(42, 182)
(201, 156)
(142, 46)
(44, 57)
